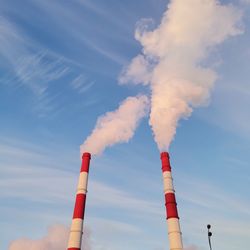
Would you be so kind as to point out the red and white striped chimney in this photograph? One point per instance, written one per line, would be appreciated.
(174, 231)
(76, 231)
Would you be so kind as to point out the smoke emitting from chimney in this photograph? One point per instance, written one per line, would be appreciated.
(174, 60)
(117, 126)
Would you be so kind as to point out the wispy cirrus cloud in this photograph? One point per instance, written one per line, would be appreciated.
(37, 71)
(231, 116)
(28, 65)
(211, 197)
(72, 22)
(82, 84)
(32, 67)
(28, 169)
(118, 198)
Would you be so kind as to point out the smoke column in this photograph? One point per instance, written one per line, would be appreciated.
(117, 126)
(175, 58)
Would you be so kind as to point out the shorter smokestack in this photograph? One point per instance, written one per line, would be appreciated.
(76, 231)
(174, 231)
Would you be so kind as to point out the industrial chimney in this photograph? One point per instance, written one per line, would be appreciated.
(76, 231)
(174, 231)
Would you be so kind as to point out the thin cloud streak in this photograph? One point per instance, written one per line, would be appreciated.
(121, 199)
(230, 116)
(73, 23)
(82, 84)
(33, 70)
(25, 181)
(211, 197)
(35, 175)
(28, 65)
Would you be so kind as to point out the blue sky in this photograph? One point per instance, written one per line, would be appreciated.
(59, 65)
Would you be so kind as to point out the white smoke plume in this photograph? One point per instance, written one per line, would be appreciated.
(117, 126)
(174, 59)
(56, 239)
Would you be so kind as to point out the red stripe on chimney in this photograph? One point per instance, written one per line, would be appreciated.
(79, 206)
(85, 162)
(165, 162)
(171, 206)
(73, 248)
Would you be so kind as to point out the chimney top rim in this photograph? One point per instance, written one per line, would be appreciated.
(164, 154)
(86, 154)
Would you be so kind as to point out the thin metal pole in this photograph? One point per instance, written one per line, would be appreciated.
(209, 234)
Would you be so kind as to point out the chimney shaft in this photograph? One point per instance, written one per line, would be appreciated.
(76, 231)
(174, 231)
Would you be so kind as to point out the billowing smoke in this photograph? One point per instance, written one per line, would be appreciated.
(56, 239)
(175, 59)
(117, 126)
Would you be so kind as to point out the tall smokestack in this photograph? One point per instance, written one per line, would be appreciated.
(174, 231)
(76, 231)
